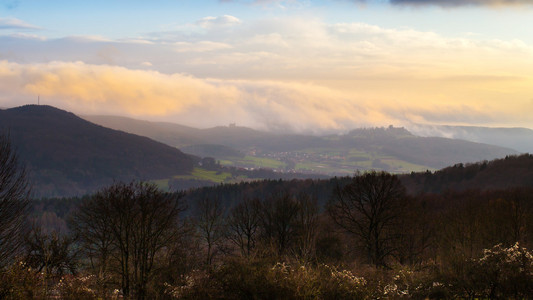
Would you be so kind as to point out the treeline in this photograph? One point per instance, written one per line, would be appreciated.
(511, 171)
(370, 239)
(267, 175)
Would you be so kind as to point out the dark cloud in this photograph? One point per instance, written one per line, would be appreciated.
(462, 2)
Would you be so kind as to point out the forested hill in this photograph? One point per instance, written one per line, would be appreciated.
(66, 155)
(508, 172)
(499, 174)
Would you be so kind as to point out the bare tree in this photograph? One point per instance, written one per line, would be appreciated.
(369, 208)
(141, 222)
(278, 221)
(243, 225)
(14, 203)
(51, 254)
(307, 225)
(93, 228)
(210, 224)
(415, 232)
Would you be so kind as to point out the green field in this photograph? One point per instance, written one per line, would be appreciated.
(329, 160)
(333, 161)
(202, 174)
(205, 175)
(253, 162)
(322, 160)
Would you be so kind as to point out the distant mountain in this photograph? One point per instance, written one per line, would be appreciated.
(435, 152)
(67, 155)
(169, 133)
(517, 138)
(391, 149)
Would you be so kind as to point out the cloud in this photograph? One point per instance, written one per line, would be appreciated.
(202, 46)
(302, 107)
(264, 2)
(102, 89)
(13, 23)
(445, 3)
(450, 3)
(297, 72)
(222, 21)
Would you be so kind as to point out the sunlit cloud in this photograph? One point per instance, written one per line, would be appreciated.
(297, 73)
(116, 90)
(270, 105)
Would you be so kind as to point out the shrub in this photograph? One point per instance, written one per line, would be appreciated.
(19, 281)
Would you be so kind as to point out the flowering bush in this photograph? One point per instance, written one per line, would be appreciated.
(500, 272)
(506, 272)
(195, 285)
(77, 287)
(259, 280)
(19, 281)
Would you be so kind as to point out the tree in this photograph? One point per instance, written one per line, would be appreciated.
(93, 229)
(415, 231)
(279, 215)
(210, 223)
(243, 225)
(50, 254)
(140, 221)
(369, 208)
(307, 225)
(14, 203)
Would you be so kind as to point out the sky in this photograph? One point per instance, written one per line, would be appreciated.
(313, 66)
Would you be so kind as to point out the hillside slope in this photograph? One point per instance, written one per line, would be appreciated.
(67, 155)
(517, 138)
(511, 171)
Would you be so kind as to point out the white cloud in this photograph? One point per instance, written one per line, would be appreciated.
(222, 21)
(13, 23)
(203, 46)
(449, 3)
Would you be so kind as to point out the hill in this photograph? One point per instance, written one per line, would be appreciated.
(500, 174)
(171, 134)
(215, 151)
(66, 155)
(390, 149)
(517, 138)
(508, 172)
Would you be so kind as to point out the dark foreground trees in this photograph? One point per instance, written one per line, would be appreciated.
(370, 208)
(282, 246)
(14, 192)
(244, 225)
(125, 228)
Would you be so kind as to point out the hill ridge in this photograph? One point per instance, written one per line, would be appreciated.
(67, 155)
